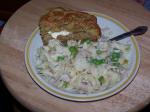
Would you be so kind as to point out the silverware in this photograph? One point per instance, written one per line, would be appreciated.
(135, 32)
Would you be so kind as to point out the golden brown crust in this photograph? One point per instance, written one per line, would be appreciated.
(81, 25)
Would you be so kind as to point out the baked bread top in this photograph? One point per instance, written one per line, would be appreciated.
(66, 24)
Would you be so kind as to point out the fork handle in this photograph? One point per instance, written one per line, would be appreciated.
(137, 31)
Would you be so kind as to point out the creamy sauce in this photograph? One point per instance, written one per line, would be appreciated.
(56, 34)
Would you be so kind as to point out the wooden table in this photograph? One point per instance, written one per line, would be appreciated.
(14, 73)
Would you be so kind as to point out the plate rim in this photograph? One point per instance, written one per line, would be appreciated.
(87, 98)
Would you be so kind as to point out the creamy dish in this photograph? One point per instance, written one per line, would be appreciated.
(83, 67)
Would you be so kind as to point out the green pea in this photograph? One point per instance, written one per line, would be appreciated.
(65, 84)
(87, 41)
(97, 61)
(60, 58)
(73, 50)
(115, 56)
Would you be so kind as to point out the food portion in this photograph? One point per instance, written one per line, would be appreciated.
(65, 24)
(83, 67)
(73, 58)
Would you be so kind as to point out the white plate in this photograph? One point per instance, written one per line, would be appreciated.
(110, 28)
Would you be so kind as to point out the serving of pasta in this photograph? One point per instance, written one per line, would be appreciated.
(82, 67)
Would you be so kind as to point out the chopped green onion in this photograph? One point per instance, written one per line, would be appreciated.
(97, 61)
(73, 50)
(87, 41)
(60, 58)
(101, 80)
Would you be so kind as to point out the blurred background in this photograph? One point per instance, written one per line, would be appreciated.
(7, 102)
